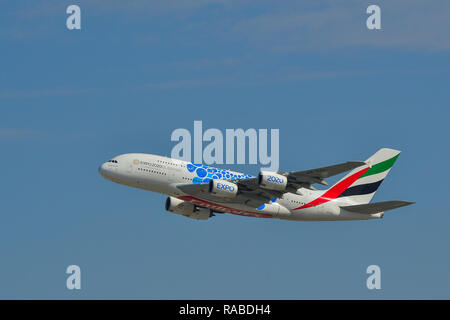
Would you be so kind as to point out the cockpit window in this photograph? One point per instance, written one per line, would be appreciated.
(113, 161)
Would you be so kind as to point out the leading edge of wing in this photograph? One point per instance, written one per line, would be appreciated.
(201, 190)
(194, 189)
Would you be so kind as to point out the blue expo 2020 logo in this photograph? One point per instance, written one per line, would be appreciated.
(205, 173)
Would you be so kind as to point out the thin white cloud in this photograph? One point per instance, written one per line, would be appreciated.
(264, 25)
(251, 79)
(16, 133)
(206, 63)
(408, 25)
(7, 94)
(187, 83)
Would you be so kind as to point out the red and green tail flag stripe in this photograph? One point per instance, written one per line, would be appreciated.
(380, 167)
(343, 187)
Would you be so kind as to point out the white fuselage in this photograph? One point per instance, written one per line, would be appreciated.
(163, 175)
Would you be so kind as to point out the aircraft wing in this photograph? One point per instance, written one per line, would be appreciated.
(305, 179)
(251, 194)
(200, 190)
(312, 176)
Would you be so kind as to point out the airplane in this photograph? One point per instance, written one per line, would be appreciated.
(200, 191)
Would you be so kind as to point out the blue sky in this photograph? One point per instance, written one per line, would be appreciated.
(137, 70)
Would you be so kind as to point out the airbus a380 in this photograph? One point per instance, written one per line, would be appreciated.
(198, 191)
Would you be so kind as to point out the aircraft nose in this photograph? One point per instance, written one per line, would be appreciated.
(102, 169)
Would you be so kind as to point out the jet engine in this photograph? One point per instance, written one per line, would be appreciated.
(187, 209)
(222, 188)
(272, 181)
(178, 206)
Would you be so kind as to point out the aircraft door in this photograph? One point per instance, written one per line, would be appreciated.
(174, 171)
(131, 167)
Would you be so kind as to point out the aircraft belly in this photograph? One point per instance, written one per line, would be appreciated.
(226, 207)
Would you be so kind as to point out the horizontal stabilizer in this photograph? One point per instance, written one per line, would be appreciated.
(376, 207)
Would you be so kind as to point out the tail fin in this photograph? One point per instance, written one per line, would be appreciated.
(364, 181)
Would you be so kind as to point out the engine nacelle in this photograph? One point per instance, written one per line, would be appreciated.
(187, 209)
(272, 181)
(178, 206)
(222, 188)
